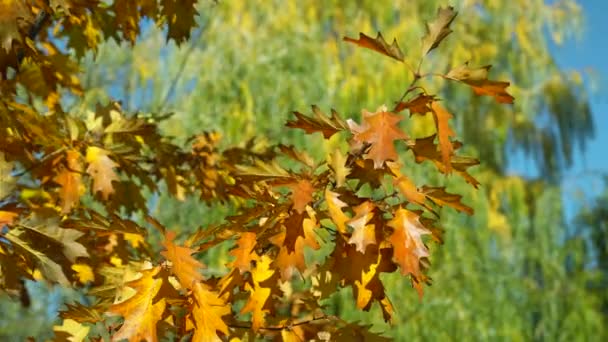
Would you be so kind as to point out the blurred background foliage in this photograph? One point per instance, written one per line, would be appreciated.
(516, 270)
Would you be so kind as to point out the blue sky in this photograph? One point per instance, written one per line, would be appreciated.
(583, 180)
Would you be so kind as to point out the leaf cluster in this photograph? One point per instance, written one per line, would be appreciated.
(71, 187)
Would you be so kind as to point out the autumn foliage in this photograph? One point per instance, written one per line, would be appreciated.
(71, 188)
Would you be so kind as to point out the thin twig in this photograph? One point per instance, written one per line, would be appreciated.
(179, 74)
(283, 327)
(33, 32)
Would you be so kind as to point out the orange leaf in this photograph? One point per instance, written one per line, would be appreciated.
(378, 45)
(364, 234)
(444, 132)
(301, 194)
(477, 78)
(183, 265)
(70, 179)
(139, 311)
(380, 130)
(407, 187)
(407, 241)
(244, 252)
(207, 312)
(101, 169)
(7, 217)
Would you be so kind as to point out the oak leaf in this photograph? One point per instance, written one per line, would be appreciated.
(426, 149)
(208, 310)
(244, 252)
(438, 29)
(101, 169)
(183, 265)
(181, 17)
(363, 234)
(417, 105)
(337, 162)
(71, 330)
(12, 12)
(291, 254)
(7, 217)
(140, 311)
(378, 45)
(335, 205)
(407, 243)
(442, 197)
(50, 269)
(380, 130)
(84, 273)
(257, 303)
(444, 132)
(477, 78)
(318, 122)
(301, 194)
(69, 177)
(7, 182)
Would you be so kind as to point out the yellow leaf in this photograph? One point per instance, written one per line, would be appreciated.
(334, 205)
(77, 332)
(140, 312)
(207, 313)
(84, 273)
(183, 265)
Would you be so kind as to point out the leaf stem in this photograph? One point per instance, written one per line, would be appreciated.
(285, 326)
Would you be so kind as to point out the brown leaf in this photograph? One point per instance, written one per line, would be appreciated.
(378, 45)
(380, 130)
(444, 132)
(417, 105)
(426, 149)
(183, 265)
(477, 78)
(441, 197)
(291, 254)
(318, 122)
(180, 18)
(438, 29)
(12, 13)
(101, 169)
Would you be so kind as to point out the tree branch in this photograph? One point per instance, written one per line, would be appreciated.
(33, 32)
(283, 327)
